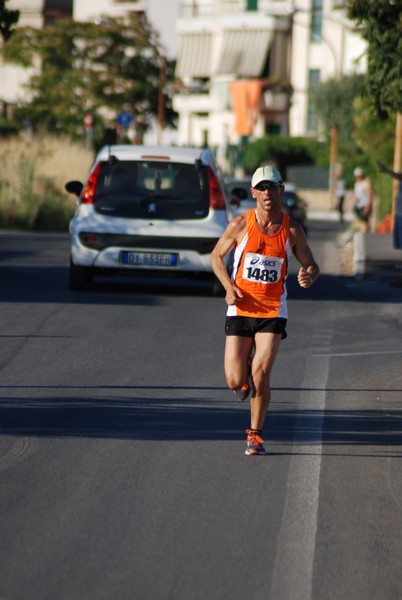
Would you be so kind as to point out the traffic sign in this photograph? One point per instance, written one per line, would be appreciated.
(124, 119)
(88, 120)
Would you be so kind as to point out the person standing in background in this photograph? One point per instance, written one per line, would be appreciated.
(363, 197)
(340, 197)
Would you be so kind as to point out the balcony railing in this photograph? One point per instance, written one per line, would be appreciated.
(207, 8)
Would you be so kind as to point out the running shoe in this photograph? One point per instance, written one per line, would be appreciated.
(243, 392)
(254, 443)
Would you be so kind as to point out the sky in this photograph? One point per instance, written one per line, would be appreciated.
(163, 15)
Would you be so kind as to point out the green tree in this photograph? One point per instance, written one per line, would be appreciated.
(8, 19)
(374, 137)
(364, 139)
(104, 68)
(335, 103)
(284, 151)
(333, 100)
(381, 21)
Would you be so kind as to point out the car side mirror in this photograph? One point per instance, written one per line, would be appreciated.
(74, 187)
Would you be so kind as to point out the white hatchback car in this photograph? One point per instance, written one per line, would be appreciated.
(147, 210)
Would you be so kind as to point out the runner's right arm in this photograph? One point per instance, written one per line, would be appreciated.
(225, 245)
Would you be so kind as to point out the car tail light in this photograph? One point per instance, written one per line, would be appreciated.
(88, 192)
(217, 200)
(91, 240)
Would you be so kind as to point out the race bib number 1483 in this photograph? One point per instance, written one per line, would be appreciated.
(262, 269)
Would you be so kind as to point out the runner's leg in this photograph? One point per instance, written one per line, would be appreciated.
(237, 351)
(266, 350)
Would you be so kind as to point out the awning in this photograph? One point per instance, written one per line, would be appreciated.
(244, 52)
(195, 55)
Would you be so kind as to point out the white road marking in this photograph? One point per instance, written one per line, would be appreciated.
(360, 353)
(294, 561)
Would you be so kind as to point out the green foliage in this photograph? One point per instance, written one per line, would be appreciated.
(363, 138)
(382, 28)
(8, 19)
(284, 152)
(7, 127)
(375, 138)
(104, 68)
(333, 100)
(335, 103)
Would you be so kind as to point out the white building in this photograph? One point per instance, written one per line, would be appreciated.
(247, 66)
(162, 14)
(325, 45)
(33, 13)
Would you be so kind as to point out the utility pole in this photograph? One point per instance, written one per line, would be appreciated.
(332, 163)
(161, 98)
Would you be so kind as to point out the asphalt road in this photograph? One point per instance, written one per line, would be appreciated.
(122, 466)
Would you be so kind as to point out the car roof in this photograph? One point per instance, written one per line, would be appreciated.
(238, 179)
(170, 153)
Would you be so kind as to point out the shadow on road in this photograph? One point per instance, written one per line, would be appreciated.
(50, 285)
(160, 418)
(34, 268)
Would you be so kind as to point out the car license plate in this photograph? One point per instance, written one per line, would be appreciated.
(149, 259)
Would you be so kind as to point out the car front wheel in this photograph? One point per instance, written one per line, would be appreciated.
(79, 277)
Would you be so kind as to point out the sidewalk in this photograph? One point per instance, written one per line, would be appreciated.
(383, 262)
(373, 255)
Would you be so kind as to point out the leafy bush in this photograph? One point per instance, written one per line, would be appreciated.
(285, 152)
(7, 127)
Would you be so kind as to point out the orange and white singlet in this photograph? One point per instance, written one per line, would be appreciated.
(260, 268)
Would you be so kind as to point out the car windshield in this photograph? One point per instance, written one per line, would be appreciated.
(152, 189)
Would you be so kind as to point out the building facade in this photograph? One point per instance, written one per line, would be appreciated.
(87, 10)
(247, 67)
(325, 46)
(33, 13)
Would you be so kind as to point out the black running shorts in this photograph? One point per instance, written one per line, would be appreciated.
(249, 326)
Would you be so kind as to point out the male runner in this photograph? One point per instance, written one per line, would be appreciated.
(263, 240)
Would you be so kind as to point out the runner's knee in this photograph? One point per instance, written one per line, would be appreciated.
(235, 381)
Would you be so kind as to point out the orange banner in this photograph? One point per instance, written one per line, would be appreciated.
(246, 96)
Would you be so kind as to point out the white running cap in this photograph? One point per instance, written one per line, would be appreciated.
(266, 173)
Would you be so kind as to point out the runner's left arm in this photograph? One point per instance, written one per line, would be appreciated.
(309, 270)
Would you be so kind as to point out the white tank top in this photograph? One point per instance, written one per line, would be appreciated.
(361, 194)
